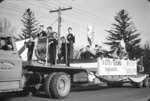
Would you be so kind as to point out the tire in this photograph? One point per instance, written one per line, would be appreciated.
(47, 84)
(146, 82)
(60, 85)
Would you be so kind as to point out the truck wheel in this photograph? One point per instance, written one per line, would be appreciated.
(60, 85)
(146, 82)
(47, 84)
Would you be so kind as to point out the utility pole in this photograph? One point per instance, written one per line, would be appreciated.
(59, 10)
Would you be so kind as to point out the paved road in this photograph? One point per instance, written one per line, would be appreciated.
(96, 93)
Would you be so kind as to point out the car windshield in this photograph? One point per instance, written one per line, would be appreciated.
(6, 43)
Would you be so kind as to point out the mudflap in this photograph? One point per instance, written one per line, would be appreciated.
(138, 78)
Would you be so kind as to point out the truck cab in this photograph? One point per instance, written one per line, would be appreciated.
(10, 65)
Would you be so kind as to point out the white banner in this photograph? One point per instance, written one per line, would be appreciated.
(116, 67)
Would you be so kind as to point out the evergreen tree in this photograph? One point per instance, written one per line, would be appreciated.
(30, 24)
(124, 29)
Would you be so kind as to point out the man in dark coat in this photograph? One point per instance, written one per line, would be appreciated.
(71, 41)
(52, 46)
(65, 51)
(30, 45)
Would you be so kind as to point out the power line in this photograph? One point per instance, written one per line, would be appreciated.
(77, 11)
(82, 10)
(53, 4)
(76, 16)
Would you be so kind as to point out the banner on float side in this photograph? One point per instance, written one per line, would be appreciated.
(107, 66)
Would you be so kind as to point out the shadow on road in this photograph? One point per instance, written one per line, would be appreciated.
(7, 97)
(74, 88)
(86, 87)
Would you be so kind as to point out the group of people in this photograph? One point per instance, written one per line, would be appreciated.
(89, 53)
(62, 47)
(63, 51)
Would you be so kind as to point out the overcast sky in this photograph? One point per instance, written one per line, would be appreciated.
(98, 13)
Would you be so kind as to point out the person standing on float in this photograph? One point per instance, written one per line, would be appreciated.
(71, 41)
